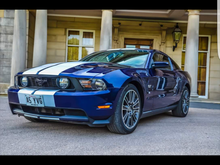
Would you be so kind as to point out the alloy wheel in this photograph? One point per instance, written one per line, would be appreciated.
(185, 102)
(130, 109)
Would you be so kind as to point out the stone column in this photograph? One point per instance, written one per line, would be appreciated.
(106, 30)
(40, 38)
(115, 37)
(191, 55)
(163, 39)
(18, 58)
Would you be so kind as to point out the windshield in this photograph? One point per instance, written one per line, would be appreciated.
(133, 58)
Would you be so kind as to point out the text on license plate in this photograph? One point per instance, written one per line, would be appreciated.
(34, 100)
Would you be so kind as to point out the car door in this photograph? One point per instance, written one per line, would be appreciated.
(178, 78)
(162, 81)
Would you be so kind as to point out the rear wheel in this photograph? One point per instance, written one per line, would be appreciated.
(127, 112)
(183, 105)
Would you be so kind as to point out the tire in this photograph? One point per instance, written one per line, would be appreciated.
(34, 120)
(128, 111)
(182, 108)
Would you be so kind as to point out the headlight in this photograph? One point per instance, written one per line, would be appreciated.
(99, 84)
(63, 83)
(93, 84)
(24, 81)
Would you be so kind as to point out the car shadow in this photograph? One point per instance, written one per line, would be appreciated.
(53, 127)
(155, 117)
(63, 128)
(204, 105)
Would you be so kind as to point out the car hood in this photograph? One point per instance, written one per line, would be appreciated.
(74, 69)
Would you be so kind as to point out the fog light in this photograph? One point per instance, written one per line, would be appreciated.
(24, 81)
(63, 83)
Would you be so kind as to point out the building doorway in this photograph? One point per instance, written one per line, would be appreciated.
(138, 43)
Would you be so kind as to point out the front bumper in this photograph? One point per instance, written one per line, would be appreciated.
(65, 106)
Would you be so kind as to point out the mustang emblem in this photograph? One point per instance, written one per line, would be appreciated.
(40, 81)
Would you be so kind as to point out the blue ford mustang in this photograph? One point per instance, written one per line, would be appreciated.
(115, 87)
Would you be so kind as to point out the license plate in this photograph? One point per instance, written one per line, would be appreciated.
(34, 100)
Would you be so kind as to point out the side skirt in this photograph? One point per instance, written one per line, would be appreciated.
(157, 111)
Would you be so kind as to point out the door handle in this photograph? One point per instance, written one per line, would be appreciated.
(150, 86)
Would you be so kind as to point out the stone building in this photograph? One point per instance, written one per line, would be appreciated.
(30, 38)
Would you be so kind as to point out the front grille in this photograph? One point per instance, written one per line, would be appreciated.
(46, 82)
(44, 111)
(50, 111)
(42, 81)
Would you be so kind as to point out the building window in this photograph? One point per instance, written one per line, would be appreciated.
(79, 44)
(138, 43)
(203, 57)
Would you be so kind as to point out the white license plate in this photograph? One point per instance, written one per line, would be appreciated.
(34, 100)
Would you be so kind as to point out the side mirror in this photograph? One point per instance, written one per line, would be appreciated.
(160, 65)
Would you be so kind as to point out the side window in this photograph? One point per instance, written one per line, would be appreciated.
(161, 58)
(175, 66)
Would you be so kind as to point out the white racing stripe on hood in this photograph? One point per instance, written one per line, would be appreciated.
(56, 70)
(37, 69)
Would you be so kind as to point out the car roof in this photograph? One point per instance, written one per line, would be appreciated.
(129, 49)
(137, 49)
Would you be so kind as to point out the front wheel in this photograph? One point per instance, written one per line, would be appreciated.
(183, 105)
(127, 111)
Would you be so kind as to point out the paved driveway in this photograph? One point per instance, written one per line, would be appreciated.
(198, 133)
